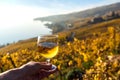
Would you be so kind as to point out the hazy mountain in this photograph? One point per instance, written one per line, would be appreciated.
(82, 14)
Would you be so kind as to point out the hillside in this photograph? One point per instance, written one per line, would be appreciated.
(93, 55)
(89, 30)
(82, 18)
(82, 14)
(80, 33)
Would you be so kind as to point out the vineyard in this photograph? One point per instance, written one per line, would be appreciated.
(94, 58)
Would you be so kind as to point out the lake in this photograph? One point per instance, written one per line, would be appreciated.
(22, 31)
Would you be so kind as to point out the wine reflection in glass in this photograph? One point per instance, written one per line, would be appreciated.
(48, 46)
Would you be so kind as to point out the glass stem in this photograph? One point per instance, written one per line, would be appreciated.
(48, 60)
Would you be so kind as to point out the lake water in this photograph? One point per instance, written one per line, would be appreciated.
(25, 30)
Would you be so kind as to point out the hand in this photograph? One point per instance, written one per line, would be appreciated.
(36, 70)
(29, 71)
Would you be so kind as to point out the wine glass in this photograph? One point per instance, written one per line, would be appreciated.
(48, 46)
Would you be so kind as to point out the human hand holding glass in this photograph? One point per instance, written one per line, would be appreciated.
(48, 46)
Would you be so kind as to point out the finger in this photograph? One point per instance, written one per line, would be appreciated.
(40, 65)
(33, 67)
(49, 71)
(43, 62)
(45, 73)
(52, 71)
(46, 66)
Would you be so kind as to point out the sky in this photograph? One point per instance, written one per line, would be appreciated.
(20, 13)
(37, 8)
(22, 10)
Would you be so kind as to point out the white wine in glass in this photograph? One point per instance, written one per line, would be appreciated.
(48, 46)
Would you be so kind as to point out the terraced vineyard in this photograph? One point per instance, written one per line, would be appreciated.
(95, 58)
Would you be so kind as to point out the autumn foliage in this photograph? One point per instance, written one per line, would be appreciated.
(94, 58)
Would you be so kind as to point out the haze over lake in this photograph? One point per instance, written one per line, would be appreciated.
(28, 29)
